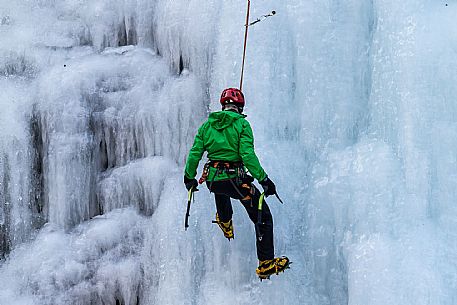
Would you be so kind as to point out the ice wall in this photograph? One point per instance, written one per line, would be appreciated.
(352, 107)
(382, 198)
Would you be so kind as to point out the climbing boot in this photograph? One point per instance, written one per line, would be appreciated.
(272, 266)
(226, 227)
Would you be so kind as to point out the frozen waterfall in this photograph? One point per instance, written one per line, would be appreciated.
(354, 111)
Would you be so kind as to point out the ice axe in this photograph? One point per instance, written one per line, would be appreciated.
(190, 197)
(277, 196)
(259, 212)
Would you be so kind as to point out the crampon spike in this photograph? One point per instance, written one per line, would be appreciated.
(261, 278)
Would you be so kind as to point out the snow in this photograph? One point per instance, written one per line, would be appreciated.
(353, 109)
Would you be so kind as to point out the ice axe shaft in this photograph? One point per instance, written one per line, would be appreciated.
(259, 213)
(190, 196)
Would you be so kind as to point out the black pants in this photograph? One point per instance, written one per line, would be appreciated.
(226, 189)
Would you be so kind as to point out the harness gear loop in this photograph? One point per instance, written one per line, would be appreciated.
(204, 174)
(230, 168)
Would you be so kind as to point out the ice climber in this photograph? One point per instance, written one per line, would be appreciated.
(227, 137)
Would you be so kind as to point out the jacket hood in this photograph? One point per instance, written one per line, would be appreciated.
(223, 119)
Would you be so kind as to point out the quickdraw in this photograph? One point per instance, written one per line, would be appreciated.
(247, 25)
(262, 18)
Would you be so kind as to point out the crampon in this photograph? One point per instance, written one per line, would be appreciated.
(272, 266)
(226, 227)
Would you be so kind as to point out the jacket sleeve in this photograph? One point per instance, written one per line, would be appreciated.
(195, 155)
(247, 153)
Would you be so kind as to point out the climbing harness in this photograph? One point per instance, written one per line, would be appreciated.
(190, 197)
(230, 168)
(247, 25)
(241, 179)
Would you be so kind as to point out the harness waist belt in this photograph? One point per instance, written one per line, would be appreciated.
(229, 167)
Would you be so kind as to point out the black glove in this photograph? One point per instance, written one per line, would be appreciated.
(269, 187)
(190, 183)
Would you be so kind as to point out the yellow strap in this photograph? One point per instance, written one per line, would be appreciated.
(189, 194)
(261, 201)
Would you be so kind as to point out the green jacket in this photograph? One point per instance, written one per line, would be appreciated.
(227, 136)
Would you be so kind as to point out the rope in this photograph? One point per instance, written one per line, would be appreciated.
(245, 44)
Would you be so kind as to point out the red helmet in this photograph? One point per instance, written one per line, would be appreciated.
(232, 96)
